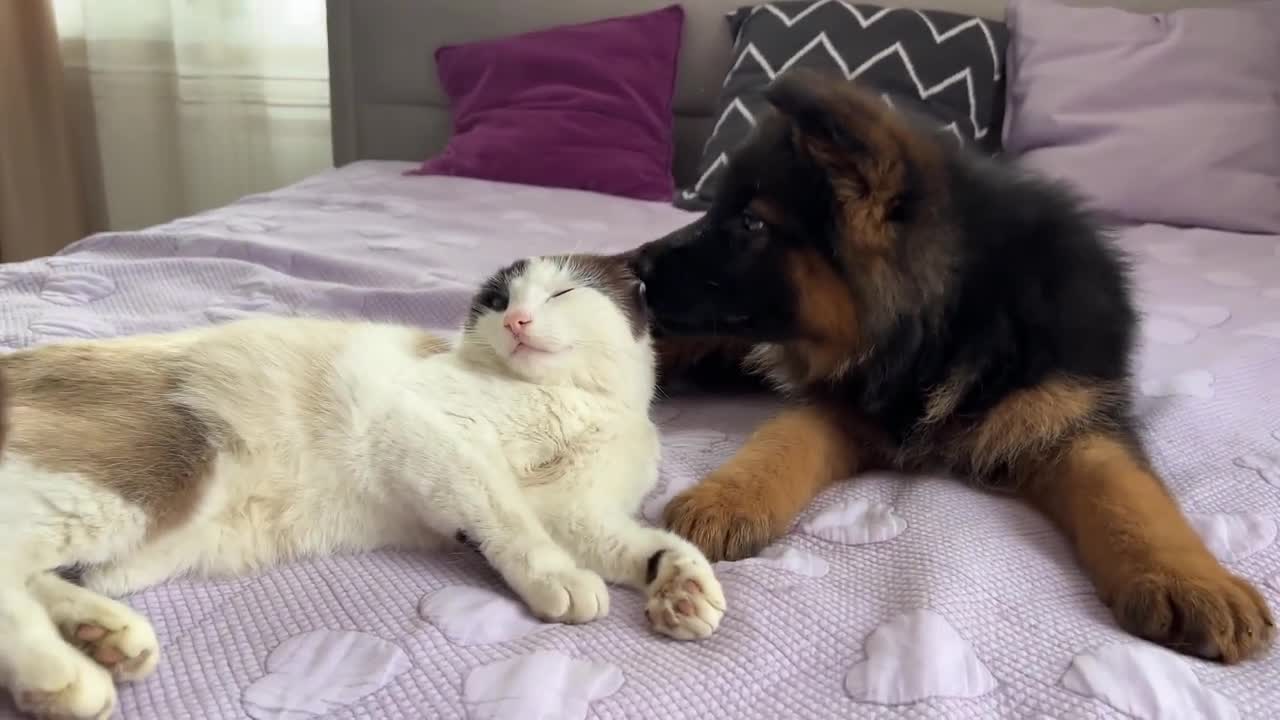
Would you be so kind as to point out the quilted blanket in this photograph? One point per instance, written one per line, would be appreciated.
(891, 598)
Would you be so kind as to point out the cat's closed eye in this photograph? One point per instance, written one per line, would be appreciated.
(494, 300)
(562, 292)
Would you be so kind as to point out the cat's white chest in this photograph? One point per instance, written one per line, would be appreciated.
(556, 430)
(538, 431)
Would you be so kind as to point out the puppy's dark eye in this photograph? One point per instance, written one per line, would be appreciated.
(751, 223)
(562, 292)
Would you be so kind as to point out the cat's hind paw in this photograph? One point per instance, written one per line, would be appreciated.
(572, 596)
(685, 598)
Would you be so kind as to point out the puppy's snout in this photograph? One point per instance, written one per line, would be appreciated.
(644, 260)
(639, 262)
(642, 267)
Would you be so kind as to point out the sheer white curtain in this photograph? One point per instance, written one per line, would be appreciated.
(184, 105)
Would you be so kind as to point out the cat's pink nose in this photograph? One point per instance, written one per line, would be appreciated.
(517, 320)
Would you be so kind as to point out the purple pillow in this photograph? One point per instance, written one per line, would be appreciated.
(1168, 118)
(580, 106)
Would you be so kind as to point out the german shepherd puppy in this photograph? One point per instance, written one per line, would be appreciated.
(930, 310)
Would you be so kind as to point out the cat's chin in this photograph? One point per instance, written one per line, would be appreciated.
(522, 349)
(534, 362)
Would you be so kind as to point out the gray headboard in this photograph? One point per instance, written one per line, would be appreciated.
(388, 105)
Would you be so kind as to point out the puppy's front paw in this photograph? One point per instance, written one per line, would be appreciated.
(1197, 608)
(571, 595)
(722, 520)
(685, 598)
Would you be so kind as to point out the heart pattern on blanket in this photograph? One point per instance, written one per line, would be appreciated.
(217, 314)
(1181, 324)
(1230, 278)
(1173, 253)
(72, 328)
(477, 616)
(543, 684)
(1168, 331)
(76, 288)
(587, 226)
(9, 277)
(439, 279)
(800, 564)
(250, 226)
(459, 240)
(1145, 681)
(656, 504)
(252, 298)
(664, 413)
(914, 656)
(1234, 537)
(376, 232)
(1205, 316)
(1267, 466)
(856, 522)
(714, 444)
(708, 445)
(383, 246)
(1267, 330)
(317, 672)
(1192, 383)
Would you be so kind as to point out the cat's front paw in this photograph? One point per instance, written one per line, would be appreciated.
(685, 598)
(572, 595)
(121, 642)
(65, 688)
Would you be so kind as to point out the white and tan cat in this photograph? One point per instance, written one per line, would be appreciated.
(226, 449)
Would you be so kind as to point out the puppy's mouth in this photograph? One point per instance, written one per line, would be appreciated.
(703, 322)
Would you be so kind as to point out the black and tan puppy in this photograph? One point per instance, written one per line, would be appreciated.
(928, 310)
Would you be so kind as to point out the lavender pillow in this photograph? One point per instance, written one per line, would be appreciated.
(579, 106)
(1169, 118)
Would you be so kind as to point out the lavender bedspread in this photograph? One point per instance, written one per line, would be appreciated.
(890, 599)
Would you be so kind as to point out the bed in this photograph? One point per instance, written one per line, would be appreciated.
(891, 598)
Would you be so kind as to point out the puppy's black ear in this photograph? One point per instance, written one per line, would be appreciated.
(812, 100)
(848, 129)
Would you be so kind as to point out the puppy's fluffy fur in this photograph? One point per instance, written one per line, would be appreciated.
(930, 310)
(226, 449)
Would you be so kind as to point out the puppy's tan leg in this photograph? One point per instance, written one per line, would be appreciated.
(753, 498)
(1146, 561)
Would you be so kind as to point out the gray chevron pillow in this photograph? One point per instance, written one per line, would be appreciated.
(943, 66)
